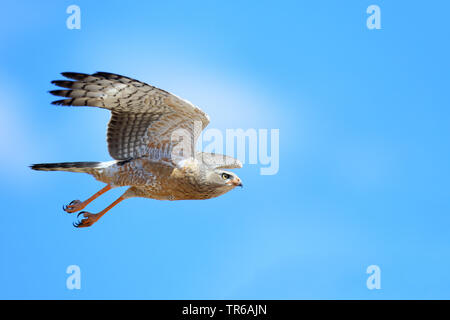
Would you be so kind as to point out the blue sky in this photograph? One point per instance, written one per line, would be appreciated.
(364, 173)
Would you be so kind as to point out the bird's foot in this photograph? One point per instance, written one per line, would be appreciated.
(89, 219)
(74, 206)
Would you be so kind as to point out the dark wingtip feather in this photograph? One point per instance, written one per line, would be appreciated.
(63, 83)
(60, 93)
(115, 76)
(107, 75)
(63, 102)
(74, 75)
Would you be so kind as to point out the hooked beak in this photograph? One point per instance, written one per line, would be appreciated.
(237, 182)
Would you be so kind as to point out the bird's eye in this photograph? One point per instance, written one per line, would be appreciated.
(225, 176)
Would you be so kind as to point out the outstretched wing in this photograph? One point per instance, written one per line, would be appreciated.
(143, 117)
(215, 160)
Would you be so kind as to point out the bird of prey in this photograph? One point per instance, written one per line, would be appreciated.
(150, 135)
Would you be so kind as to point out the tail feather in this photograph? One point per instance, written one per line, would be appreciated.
(86, 167)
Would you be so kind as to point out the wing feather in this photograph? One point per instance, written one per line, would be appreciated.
(143, 117)
(216, 160)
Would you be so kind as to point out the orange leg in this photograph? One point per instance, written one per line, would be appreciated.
(91, 218)
(77, 205)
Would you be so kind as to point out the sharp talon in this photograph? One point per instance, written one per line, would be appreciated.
(74, 206)
(75, 224)
(82, 212)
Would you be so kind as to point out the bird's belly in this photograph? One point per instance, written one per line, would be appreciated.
(157, 181)
(176, 192)
(133, 173)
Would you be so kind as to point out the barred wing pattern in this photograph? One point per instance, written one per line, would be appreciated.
(143, 117)
(215, 160)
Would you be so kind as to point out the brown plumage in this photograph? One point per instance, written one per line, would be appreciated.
(150, 135)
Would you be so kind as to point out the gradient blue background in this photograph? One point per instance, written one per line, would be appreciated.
(364, 150)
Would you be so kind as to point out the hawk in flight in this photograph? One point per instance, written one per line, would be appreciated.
(151, 135)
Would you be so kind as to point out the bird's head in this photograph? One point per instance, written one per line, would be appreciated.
(209, 174)
(223, 180)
